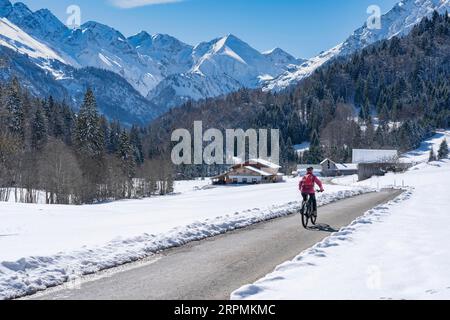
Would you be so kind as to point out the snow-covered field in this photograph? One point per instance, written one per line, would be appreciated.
(46, 245)
(400, 250)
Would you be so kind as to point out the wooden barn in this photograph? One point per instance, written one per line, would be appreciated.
(333, 169)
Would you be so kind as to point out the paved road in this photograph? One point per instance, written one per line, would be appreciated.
(213, 268)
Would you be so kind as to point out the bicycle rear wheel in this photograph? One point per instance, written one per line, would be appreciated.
(305, 216)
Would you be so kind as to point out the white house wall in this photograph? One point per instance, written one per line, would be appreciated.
(373, 156)
(240, 179)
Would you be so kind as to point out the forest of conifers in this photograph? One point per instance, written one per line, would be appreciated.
(74, 158)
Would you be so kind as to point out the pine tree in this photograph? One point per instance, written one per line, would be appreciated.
(443, 150)
(364, 113)
(104, 128)
(38, 130)
(127, 164)
(432, 156)
(136, 143)
(68, 126)
(58, 124)
(49, 107)
(89, 145)
(89, 138)
(114, 135)
(125, 151)
(289, 153)
(384, 114)
(14, 107)
(315, 150)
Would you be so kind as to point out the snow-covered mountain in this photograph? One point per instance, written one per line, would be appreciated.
(116, 98)
(281, 58)
(170, 54)
(221, 66)
(159, 66)
(16, 39)
(45, 70)
(92, 45)
(302, 71)
(397, 22)
(65, 59)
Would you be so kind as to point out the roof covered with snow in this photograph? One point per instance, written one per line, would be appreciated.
(263, 173)
(303, 147)
(347, 166)
(372, 155)
(265, 163)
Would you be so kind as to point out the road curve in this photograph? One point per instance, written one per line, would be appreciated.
(213, 268)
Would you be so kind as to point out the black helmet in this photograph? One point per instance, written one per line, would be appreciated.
(310, 169)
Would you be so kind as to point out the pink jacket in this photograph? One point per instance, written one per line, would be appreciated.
(309, 189)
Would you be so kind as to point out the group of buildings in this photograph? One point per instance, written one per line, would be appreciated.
(365, 163)
(378, 161)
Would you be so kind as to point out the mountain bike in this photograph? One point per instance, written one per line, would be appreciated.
(307, 212)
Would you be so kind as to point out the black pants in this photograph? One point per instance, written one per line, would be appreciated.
(313, 199)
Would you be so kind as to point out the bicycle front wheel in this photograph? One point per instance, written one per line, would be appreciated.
(313, 219)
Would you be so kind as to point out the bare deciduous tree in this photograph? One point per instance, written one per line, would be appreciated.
(60, 174)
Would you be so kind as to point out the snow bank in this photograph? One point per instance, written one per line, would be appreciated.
(44, 246)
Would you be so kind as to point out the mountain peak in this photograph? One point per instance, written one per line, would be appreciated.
(18, 9)
(46, 16)
(231, 36)
(140, 38)
(230, 39)
(45, 13)
(165, 38)
(21, 6)
(143, 34)
(273, 51)
(232, 42)
(278, 52)
(102, 29)
(279, 57)
(94, 25)
(5, 7)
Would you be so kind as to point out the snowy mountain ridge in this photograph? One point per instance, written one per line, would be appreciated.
(153, 64)
(397, 22)
(14, 38)
(45, 72)
(221, 66)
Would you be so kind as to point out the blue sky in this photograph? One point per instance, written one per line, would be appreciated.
(301, 27)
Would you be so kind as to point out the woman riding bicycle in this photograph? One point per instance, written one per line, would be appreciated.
(306, 187)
